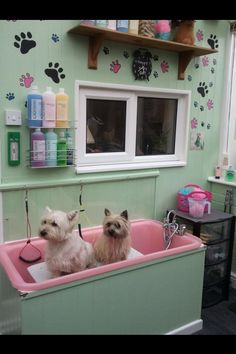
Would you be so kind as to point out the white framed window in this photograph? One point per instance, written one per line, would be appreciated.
(123, 127)
(228, 128)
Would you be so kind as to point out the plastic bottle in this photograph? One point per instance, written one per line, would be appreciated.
(122, 25)
(101, 23)
(133, 26)
(112, 24)
(49, 108)
(34, 106)
(61, 150)
(230, 174)
(70, 150)
(37, 147)
(51, 148)
(62, 109)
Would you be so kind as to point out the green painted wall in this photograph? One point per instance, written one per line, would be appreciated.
(60, 187)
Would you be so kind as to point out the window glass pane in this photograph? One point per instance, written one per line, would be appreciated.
(156, 126)
(106, 121)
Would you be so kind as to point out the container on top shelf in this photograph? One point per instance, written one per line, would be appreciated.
(70, 150)
(122, 25)
(37, 148)
(51, 148)
(112, 24)
(101, 23)
(61, 150)
(62, 100)
(133, 26)
(34, 107)
(49, 108)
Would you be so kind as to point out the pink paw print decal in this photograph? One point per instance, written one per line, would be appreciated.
(115, 66)
(205, 61)
(164, 67)
(210, 104)
(26, 80)
(199, 35)
(194, 123)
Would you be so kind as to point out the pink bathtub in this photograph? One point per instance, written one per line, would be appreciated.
(147, 238)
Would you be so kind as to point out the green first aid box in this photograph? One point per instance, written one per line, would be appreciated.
(13, 148)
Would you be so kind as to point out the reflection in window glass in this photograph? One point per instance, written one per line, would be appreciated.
(106, 124)
(156, 126)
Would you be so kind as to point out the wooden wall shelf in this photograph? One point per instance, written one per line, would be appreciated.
(97, 35)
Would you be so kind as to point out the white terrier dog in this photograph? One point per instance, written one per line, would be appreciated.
(114, 243)
(65, 251)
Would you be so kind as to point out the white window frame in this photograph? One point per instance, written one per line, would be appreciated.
(228, 127)
(127, 160)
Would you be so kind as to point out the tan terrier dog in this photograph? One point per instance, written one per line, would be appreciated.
(114, 243)
(65, 251)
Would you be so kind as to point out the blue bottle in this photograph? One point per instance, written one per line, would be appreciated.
(51, 148)
(122, 25)
(34, 106)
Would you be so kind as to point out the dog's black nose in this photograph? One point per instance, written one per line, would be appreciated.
(43, 233)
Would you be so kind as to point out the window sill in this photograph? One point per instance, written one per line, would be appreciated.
(124, 166)
(221, 181)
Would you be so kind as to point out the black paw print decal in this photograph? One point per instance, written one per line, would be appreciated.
(208, 126)
(196, 66)
(201, 108)
(195, 104)
(210, 84)
(54, 72)
(155, 74)
(202, 124)
(26, 104)
(126, 54)
(202, 89)
(24, 42)
(213, 41)
(155, 57)
(212, 70)
(214, 61)
(106, 50)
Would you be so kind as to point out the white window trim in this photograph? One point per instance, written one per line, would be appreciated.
(123, 161)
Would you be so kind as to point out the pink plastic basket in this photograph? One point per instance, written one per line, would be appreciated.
(182, 199)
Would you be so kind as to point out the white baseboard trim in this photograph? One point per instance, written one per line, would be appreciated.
(233, 280)
(189, 328)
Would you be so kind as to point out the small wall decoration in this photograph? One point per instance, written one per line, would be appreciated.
(54, 72)
(142, 65)
(197, 141)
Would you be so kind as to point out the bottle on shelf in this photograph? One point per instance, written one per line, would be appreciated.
(49, 108)
(70, 150)
(122, 25)
(61, 150)
(37, 148)
(112, 24)
(133, 26)
(51, 148)
(34, 107)
(230, 174)
(62, 100)
(101, 23)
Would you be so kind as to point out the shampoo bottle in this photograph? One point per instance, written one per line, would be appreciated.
(51, 148)
(122, 25)
(37, 147)
(62, 109)
(49, 108)
(34, 107)
(61, 150)
(70, 150)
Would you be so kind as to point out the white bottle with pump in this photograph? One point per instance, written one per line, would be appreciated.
(62, 100)
(49, 108)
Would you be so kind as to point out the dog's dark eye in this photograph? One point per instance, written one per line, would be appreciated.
(108, 224)
(54, 224)
(44, 222)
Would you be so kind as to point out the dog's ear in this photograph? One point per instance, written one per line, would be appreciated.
(107, 212)
(72, 215)
(124, 214)
(48, 210)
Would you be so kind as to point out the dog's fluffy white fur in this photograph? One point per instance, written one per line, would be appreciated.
(65, 252)
(114, 243)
